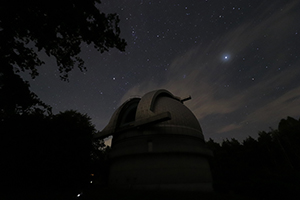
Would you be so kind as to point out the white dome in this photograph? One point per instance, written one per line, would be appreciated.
(158, 108)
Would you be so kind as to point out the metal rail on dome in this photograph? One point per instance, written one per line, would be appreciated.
(146, 121)
(186, 99)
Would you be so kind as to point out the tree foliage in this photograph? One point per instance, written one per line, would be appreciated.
(41, 148)
(58, 29)
(17, 99)
(52, 151)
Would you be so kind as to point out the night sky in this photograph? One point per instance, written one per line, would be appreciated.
(238, 59)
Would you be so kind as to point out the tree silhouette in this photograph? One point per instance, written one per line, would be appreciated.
(266, 168)
(17, 99)
(58, 29)
(41, 148)
(69, 148)
(48, 151)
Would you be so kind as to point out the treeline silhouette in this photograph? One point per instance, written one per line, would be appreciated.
(57, 152)
(264, 168)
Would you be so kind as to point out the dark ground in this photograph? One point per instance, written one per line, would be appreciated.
(111, 194)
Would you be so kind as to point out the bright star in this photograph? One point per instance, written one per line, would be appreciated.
(225, 57)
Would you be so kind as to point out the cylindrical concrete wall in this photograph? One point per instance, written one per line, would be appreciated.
(159, 161)
(161, 171)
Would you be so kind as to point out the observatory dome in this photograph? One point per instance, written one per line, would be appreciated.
(157, 143)
(156, 106)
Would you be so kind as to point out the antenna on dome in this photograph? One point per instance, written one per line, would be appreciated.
(186, 99)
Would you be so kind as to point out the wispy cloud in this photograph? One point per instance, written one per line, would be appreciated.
(270, 109)
(229, 127)
(284, 105)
